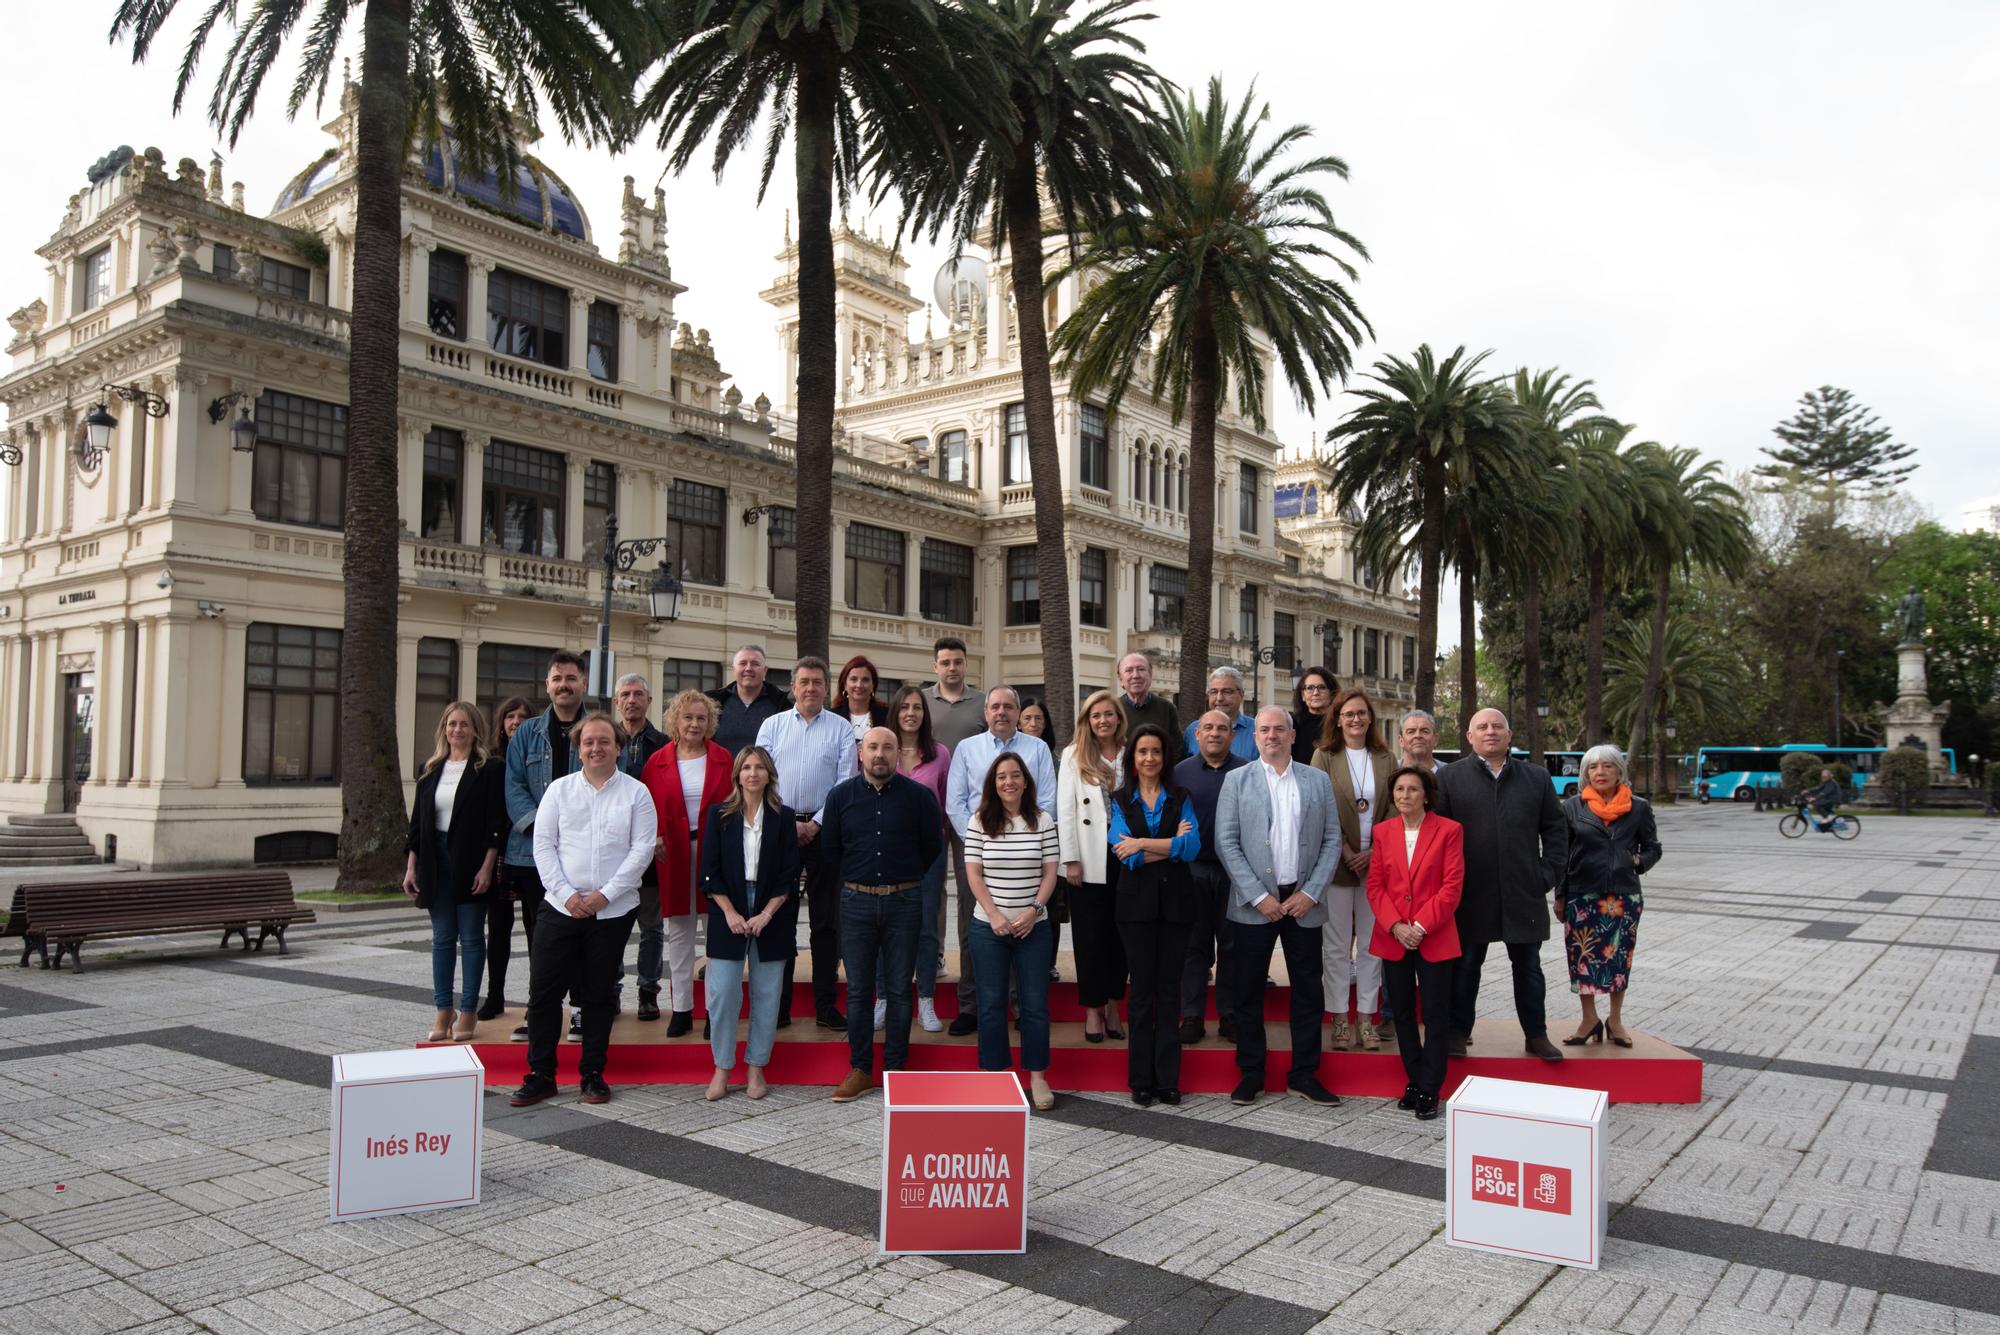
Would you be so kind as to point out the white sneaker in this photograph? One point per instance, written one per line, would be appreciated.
(881, 1011)
(927, 1015)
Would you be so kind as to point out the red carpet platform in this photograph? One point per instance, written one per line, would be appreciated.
(1650, 1071)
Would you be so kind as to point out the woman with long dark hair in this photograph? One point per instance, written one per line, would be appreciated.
(457, 824)
(1010, 866)
(855, 700)
(921, 757)
(500, 904)
(1312, 699)
(1154, 835)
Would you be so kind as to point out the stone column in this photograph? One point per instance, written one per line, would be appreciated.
(476, 269)
(235, 660)
(417, 307)
(144, 683)
(913, 577)
(579, 332)
(106, 705)
(992, 612)
(472, 489)
(410, 442)
(837, 579)
(43, 704)
(628, 346)
(572, 546)
(408, 724)
(14, 661)
(167, 721)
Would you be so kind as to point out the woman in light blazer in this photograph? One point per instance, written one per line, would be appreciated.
(1090, 771)
(1414, 883)
(1354, 755)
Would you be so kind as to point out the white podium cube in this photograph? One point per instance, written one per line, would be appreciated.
(1524, 1170)
(406, 1131)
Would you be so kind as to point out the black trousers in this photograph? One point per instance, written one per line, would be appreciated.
(822, 892)
(1404, 979)
(578, 956)
(1208, 943)
(500, 931)
(1154, 951)
(1530, 987)
(1250, 961)
(1094, 939)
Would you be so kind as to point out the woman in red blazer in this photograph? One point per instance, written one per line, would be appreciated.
(687, 780)
(1414, 881)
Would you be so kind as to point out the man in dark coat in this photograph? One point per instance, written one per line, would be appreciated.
(1516, 847)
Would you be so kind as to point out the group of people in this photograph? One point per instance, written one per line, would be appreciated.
(1176, 856)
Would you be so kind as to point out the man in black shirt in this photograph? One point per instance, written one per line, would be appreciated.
(881, 833)
(1202, 774)
(741, 708)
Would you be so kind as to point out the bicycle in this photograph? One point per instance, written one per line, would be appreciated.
(1794, 825)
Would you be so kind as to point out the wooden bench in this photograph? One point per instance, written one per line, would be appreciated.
(65, 914)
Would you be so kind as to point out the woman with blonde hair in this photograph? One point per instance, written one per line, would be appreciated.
(750, 875)
(687, 779)
(458, 823)
(1091, 770)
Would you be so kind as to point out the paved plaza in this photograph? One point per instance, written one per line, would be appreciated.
(163, 1156)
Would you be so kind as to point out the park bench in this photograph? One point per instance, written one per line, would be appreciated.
(65, 914)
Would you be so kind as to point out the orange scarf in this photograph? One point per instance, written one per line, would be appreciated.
(1609, 809)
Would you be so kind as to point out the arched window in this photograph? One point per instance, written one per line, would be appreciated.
(1182, 507)
(1139, 471)
(1153, 479)
(1172, 473)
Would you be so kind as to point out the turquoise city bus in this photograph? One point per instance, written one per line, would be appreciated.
(1734, 773)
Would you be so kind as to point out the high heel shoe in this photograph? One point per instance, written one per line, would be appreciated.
(440, 1031)
(1592, 1034)
(1621, 1042)
(1113, 1029)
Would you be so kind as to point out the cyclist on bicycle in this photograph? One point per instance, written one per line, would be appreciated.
(1825, 797)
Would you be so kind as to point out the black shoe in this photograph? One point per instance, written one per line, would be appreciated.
(705, 1035)
(1427, 1107)
(492, 1007)
(576, 1025)
(1089, 1037)
(1457, 1046)
(1596, 1031)
(963, 1024)
(1193, 1031)
(1409, 1099)
(1055, 974)
(649, 1004)
(1227, 1029)
(1310, 1089)
(520, 1034)
(593, 1089)
(1538, 1045)
(1143, 1097)
(784, 1021)
(532, 1091)
(681, 1023)
(1170, 1097)
(1246, 1091)
(832, 1019)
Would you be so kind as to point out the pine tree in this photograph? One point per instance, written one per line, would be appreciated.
(1837, 441)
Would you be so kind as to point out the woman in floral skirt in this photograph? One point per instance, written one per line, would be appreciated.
(1612, 842)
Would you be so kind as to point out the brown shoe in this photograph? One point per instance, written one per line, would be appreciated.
(1371, 1037)
(857, 1083)
(1337, 1039)
(1039, 1092)
(755, 1086)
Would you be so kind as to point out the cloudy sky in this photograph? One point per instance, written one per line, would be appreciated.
(1705, 208)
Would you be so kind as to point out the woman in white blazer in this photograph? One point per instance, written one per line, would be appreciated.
(1088, 774)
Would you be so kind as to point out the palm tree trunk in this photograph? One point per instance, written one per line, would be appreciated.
(1531, 656)
(1024, 239)
(812, 137)
(1656, 662)
(1662, 783)
(1468, 635)
(1430, 557)
(1204, 372)
(1593, 655)
(371, 783)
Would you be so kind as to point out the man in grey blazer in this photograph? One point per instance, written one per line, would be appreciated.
(1279, 840)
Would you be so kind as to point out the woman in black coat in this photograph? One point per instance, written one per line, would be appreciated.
(458, 824)
(753, 915)
(1612, 843)
(1154, 835)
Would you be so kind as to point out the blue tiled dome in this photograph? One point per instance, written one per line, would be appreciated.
(540, 198)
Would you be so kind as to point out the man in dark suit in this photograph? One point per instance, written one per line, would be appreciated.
(1516, 847)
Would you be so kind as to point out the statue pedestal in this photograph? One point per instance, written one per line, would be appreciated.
(1913, 720)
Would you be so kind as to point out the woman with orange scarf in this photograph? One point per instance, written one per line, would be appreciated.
(1612, 843)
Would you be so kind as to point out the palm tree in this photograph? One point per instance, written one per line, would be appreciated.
(1074, 124)
(1701, 679)
(1605, 494)
(423, 62)
(1688, 519)
(1214, 278)
(1397, 455)
(861, 86)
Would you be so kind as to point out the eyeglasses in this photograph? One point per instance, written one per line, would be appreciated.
(1315, 688)
(1349, 716)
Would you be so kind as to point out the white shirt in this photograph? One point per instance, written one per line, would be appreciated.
(862, 723)
(1363, 777)
(753, 842)
(595, 839)
(1410, 833)
(447, 792)
(693, 772)
(1284, 790)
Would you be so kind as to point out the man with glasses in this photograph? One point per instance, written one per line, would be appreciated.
(1225, 692)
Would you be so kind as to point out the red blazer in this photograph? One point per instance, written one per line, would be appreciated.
(1424, 892)
(662, 777)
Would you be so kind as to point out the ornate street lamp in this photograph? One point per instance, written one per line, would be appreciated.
(242, 431)
(664, 595)
(99, 426)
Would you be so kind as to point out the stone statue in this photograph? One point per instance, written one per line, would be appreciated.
(1910, 617)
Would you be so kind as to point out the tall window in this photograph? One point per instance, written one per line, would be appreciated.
(1284, 641)
(291, 705)
(689, 674)
(955, 461)
(1409, 657)
(1024, 587)
(1330, 647)
(1246, 499)
(93, 280)
(603, 340)
(300, 469)
(1093, 585)
(600, 498)
(443, 450)
(1372, 660)
(1246, 614)
(783, 528)
(447, 300)
(1169, 587)
(694, 530)
(944, 582)
(1095, 462)
(437, 687)
(1014, 461)
(874, 569)
(523, 503)
(513, 669)
(527, 318)
(1139, 474)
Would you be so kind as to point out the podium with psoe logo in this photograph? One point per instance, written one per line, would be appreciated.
(406, 1131)
(954, 1163)
(1524, 1170)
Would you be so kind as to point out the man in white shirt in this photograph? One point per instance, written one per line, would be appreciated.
(812, 750)
(594, 836)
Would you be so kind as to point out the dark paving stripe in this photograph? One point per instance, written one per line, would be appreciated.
(1886, 896)
(1929, 1084)
(331, 982)
(31, 1001)
(1966, 1142)
(1827, 931)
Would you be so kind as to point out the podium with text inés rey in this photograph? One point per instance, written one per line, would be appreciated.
(954, 1163)
(406, 1131)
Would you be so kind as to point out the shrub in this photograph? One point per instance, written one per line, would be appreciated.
(1799, 771)
(1904, 776)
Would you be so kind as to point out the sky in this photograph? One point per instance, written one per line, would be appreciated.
(1706, 209)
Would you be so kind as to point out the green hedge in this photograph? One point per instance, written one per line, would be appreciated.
(1904, 776)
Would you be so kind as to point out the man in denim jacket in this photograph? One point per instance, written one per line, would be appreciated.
(541, 752)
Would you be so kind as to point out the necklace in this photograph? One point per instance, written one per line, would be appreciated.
(1363, 778)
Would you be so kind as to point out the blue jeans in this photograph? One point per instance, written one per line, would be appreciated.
(886, 926)
(928, 942)
(725, 1002)
(1028, 958)
(457, 928)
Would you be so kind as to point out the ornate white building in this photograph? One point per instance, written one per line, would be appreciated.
(170, 611)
